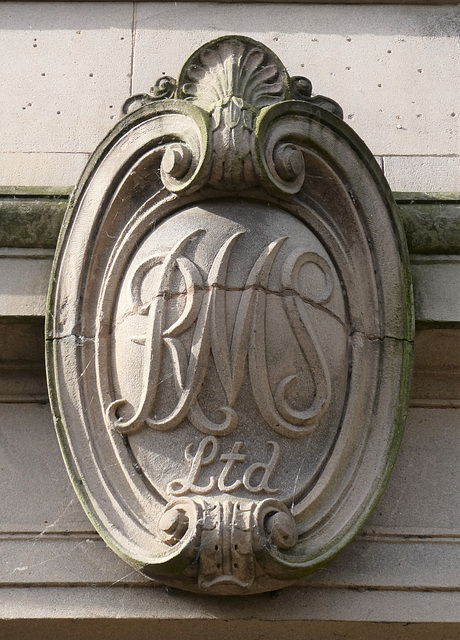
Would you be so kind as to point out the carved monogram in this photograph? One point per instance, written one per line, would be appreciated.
(205, 310)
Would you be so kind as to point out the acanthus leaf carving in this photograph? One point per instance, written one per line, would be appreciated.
(233, 80)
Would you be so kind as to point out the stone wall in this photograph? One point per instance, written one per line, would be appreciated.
(67, 69)
(394, 70)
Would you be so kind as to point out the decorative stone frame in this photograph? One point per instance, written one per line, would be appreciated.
(231, 184)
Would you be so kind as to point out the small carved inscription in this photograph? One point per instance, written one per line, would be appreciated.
(255, 478)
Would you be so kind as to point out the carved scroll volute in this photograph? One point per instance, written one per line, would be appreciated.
(230, 328)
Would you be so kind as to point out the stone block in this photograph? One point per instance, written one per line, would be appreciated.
(384, 81)
(24, 281)
(422, 495)
(436, 285)
(36, 169)
(423, 173)
(22, 361)
(436, 369)
(36, 495)
(67, 75)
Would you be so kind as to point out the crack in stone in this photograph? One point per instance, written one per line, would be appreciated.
(190, 291)
(380, 338)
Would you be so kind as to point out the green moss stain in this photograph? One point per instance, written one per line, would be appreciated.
(31, 217)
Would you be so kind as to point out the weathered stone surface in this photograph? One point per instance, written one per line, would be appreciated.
(413, 492)
(35, 497)
(22, 360)
(431, 222)
(325, 613)
(229, 350)
(166, 614)
(436, 368)
(31, 217)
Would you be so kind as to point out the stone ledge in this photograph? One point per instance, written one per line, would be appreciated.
(30, 217)
(246, 614)
(431, 221)
(319, 2)
(369, 562)
(144, 629)
(25, 273)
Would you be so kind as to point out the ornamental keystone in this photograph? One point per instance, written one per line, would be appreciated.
(230, 328)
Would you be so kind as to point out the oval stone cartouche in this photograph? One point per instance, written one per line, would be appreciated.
(230, 328)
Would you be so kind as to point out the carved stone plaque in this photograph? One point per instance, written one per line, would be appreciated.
(230, 330)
